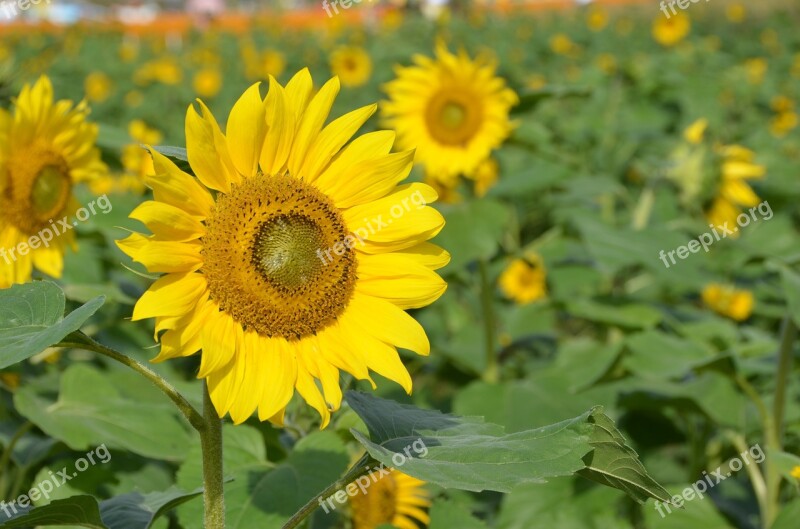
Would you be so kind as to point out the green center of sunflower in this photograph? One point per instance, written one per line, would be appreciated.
(274, 257)
(453, 115)
(285, 250)
(49, 191)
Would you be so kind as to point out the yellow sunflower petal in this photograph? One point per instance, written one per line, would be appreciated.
(168, 222)
(400, 280)
(311, 124)
(207, 150)
(171, 295)
(245, 131)
(162, 256)
(279, 375)
(173, 186)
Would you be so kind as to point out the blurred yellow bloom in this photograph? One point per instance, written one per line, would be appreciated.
(597, 18)
(128, 51)
(134, 98)
(97, 87)
(165, 70)
(352, 65)
(10, 380)
(453, 109)
(607, 63)
(783, 123)
(535, 82)
(694, 133)
(796, 472)
(486, 176)
(672, 30)
(771, 41)
(563, 45)
(755, 70)
(733, 192)
(394, 499)
(781, 103)
(728, 301)
(207, 82)
(524, 281)
(262, 65)
(735, 12)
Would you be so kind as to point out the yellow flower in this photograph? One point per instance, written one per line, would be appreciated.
(136, 162)
(394, 499)
(524, 281)
(796, 472)
(728, 301)
(275, 265)
(352, 65)
(562, 45)
(755, 70)
(453, 110)
(46, 147)
(207, 82)
(486, 176)
(607, 63)
(535, 82)
(10, 380)
(128, 51)
(262, 65)
(735, 13)
(694, 133)
(165, 70)
(733, 192)
(597, 18)
(781, 103)
(672, 30)
(97, 86)
(783, 123)
(134, 99)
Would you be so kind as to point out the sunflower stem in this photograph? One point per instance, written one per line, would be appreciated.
(775, 437)
(211, 443)
(79, 340)
(491, 374)
(362, 467)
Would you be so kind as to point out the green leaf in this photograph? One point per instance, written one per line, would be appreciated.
(787, 519)
(466, 453)
(91, 407)
(129, 511)
(631, 315)
(614, 463)
(655, 354)
(473, 231)
(695, 513)
(448, 514)
(785, 463)
(32, 319)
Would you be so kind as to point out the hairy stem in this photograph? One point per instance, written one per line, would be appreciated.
(211, 443)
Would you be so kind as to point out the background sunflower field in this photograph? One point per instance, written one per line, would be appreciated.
(617, 344)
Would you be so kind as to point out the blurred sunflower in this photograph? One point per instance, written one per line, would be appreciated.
(735, 13)
(596, 18)
(485, 176)
(454, 110)
(561, 44)
(207, 82)
(165, 70)
(672, 30)
(272, 265)
(716, 177)
(136, 162)
(728, 301)
(525, 279)
(97, 87)
(352, 65)
(10, 380)
(796, 472)
(394, 499)
(46, 147)
(755, 70)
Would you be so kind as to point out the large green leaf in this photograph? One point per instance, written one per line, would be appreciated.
(32, 319)
(91, 410)
(473, 231)
(263, 495)
(129, 511)
(469, 454)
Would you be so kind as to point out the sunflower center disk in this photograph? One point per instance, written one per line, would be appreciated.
(268, 257)
(285, 250)
(38, 189)
(453, 118)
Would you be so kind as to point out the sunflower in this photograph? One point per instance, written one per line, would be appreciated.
(136, 161)
(46, 147)
(796, 472)
(672, 30)
(728, 301)
(97, 86)
(596, 18)
(453, 110)
(352, 65)
(207, 82)
(525, 279)
(733, 192)
(394, 499)
(291, 256)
